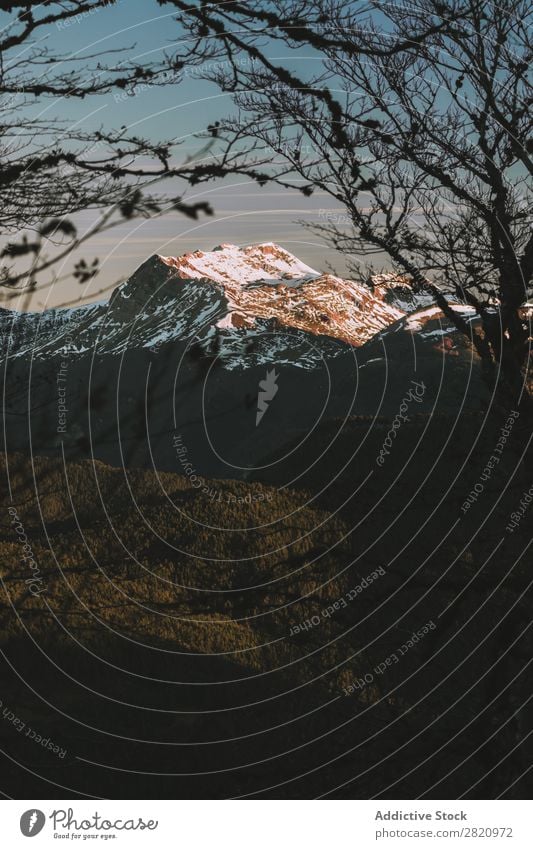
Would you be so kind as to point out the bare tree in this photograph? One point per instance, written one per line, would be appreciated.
(416, 119)
(51, 169)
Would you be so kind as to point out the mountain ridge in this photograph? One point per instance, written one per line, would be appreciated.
(227, 293)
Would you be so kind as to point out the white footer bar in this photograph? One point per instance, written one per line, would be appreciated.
(269, 824)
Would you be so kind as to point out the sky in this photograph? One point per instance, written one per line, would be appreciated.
(244, 212)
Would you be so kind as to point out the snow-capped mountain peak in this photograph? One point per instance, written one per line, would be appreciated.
(267, 282)
(260, 299)
(232, 265)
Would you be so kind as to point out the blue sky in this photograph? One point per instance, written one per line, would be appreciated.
(244, 213)
(149, 31)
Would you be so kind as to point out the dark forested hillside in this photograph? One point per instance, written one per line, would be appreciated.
(244, 639)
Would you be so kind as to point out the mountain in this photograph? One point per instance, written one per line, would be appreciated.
(217, 587)
(260, 298)
(395, 289)
(220, 360)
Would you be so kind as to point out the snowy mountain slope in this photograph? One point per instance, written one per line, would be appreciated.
(265, 281)
(396, 290)
(184, 347)
(258, 301)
